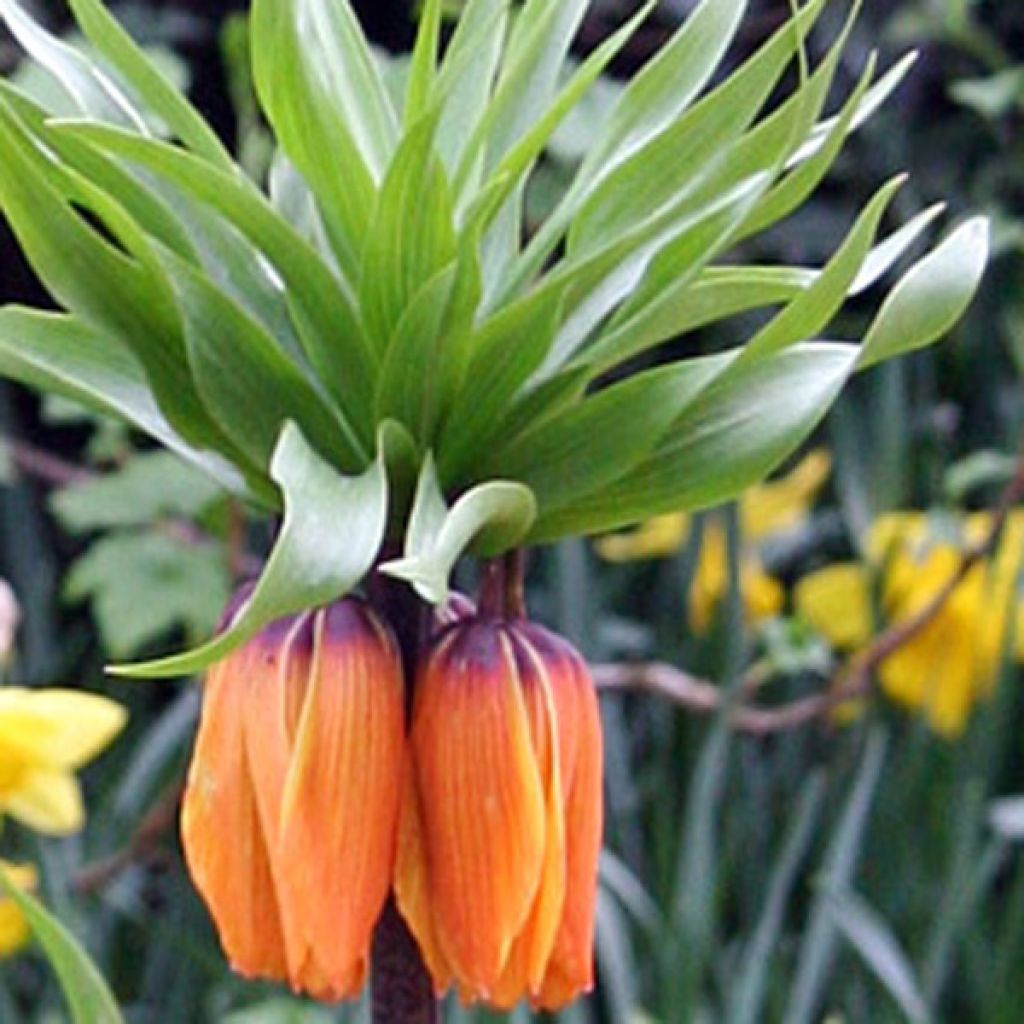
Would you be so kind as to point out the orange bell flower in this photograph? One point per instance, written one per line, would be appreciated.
(290, 814)
(501, 819)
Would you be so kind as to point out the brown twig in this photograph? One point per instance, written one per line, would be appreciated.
(853, 681)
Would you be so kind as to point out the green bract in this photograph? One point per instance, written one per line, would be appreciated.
(374, 316)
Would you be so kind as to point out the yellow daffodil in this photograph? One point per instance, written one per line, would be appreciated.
(950, 664)
(14, 929)
(765, 510)
(45, 735)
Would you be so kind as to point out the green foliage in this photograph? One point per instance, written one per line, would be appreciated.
(403, 287)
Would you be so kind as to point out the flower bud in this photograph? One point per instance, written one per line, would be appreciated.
(290, 813)
(501, 819)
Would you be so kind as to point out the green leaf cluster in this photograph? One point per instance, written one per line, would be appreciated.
(381, 293)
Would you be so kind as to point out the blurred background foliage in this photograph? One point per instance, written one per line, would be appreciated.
(862, 866)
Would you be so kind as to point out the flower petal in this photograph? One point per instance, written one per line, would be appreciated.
(49, 801)
(221, 830)
(339, 815)
(571, 969)
(836, 601)
(482, 800)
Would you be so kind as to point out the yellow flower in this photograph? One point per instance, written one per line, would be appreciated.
(766, 509)
(45, 735)
(950, 664)
(14, 929)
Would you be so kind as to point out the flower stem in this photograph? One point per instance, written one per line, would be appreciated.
(402, 989)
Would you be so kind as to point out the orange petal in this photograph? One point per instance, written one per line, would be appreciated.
(571, 969)
(220, 825)
(482, 800)
(340, 806)
(528, 959)
(412, 884)
(270, 715)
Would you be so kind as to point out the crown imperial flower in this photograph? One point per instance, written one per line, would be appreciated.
(501, 820)
(290, 813)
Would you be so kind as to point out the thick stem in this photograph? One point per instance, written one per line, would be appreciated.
(402, 989)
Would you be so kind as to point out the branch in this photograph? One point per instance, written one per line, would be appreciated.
(854, 680)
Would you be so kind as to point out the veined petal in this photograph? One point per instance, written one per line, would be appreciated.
(528, 958)
(271, 716)
(221, 830)
(339, 815)
(482, 800)
(412, 884)
(49, 801)
(571, 968)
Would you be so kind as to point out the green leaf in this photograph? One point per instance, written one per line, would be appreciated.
(411, 236)
(811, 311)
(111, 40)
(144, 585)
(467, 75)
(96, 280)
(494, 517)
(245, 380)
(57, 353)
(931, 297)
(89, 999)
(871, 937)
(423, 64)
(507, 349)
(746, 998)
(322, 93)
(414, 379)
(324, 316)
(665, 87)
(818, 945)
(313, 562)
(91, 90)
(521, 156)
(575, 453)
(689, 150)
(149, 487)
(749, 420)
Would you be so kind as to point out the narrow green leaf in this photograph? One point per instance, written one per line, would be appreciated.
(313, 562)
(89, 88)
(689, 150)
(507, 350)
(665, 87)
(89, 999)
(324, 316)
(794, 189)
(579, 451)
(655, 302)
(411, 236)
(749, 420)
(96, 280)
(414, 379)
(423, 64)
(494, 517)
(746, 1002)
(812, 310)
(61, 355)
(466, 77)
(323, 97)
(520, 158)
(871, 937)
(931, 297)
(817, 948)
(148, 81)
(245, 380)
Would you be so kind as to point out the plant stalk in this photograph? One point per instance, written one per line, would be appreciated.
(401, 986)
